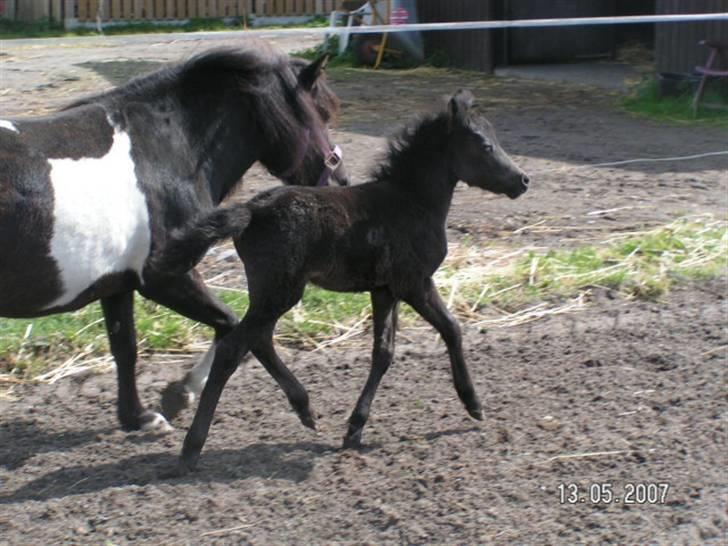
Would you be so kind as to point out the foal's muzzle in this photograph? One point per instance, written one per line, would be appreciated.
(520, 187)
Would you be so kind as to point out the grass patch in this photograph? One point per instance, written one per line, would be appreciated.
(472, 281)
(647, 101)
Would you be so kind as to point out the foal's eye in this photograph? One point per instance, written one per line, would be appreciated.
(486, 144)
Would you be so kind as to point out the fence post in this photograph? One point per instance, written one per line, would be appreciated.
(69, 14)
(10, 9)
(55, 11)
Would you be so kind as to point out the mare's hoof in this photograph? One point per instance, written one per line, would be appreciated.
(155, 423)
(476, 413)
(176, 397)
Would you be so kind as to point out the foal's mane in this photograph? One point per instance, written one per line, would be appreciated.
(409, 149)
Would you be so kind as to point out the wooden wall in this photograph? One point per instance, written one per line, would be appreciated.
(30, 10)
(471, 49)
(134, 10)
(676, 44)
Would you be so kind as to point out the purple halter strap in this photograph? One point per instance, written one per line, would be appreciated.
(331, 161)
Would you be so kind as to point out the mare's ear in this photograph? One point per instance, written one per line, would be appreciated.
(308, 76)
(459, 107)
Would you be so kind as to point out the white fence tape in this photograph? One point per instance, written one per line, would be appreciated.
(518, 23)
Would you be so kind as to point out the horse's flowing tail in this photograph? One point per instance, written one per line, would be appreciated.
(187, 246)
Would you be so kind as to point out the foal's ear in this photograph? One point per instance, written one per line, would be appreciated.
(459, 107)
(308, 76)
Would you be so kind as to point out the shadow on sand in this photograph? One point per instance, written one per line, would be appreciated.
(287, 461)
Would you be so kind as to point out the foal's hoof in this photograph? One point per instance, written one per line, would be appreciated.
(307, 419)
(179, 471)
(154, 423)
(176, 397)
(476, 413)
(352, 441)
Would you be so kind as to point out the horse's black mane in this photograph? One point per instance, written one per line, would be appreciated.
(248, 65)
(407, 149)
(267, 78)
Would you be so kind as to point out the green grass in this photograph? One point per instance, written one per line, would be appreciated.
(646, 101)
(642, 265)
(49, 29)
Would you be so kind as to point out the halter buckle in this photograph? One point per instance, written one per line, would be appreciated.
(333, 160)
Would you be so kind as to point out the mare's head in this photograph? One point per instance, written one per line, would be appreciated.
(257, 104)
(296, 108)
(476, 156)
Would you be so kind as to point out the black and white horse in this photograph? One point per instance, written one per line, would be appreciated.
(88, 194)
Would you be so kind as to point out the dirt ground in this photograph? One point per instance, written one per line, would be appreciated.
(636, 390)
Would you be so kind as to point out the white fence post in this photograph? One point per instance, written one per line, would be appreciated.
(10, 9)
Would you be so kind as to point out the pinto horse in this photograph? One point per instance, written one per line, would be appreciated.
(386, 237)
(88, 194)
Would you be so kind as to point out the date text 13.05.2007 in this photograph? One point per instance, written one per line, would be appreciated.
(608, 493)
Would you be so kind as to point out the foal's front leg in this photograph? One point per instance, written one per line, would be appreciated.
(384, 310)
(119, 317)
(429, 305)
(189, 296)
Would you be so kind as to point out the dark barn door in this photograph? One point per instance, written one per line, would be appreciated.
(557, 44)
(676, 44)
(471, 49)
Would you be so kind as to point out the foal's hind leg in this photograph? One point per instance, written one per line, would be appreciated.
(119, 317)
(271, 296)
(384, 309)
(229, 352)
(262, 347)
(188, 295)
(430, 306)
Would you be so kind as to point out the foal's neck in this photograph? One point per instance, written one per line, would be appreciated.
(419, 164)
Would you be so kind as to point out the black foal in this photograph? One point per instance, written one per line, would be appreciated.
(386, 237)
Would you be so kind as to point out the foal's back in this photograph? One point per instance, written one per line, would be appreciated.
(349, 239)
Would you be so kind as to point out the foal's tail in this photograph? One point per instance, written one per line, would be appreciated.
(187, 246)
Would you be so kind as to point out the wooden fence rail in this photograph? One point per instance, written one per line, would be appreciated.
(85, 11)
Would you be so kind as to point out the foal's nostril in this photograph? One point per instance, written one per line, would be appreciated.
(525, 180)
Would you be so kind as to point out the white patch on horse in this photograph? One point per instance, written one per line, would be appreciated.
(158, 425)
(4, 124)
(197, 377)
(100, 218)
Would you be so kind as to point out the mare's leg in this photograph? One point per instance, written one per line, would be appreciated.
(187, 295)
(384, 310)
(429, 305)
(119, 317)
